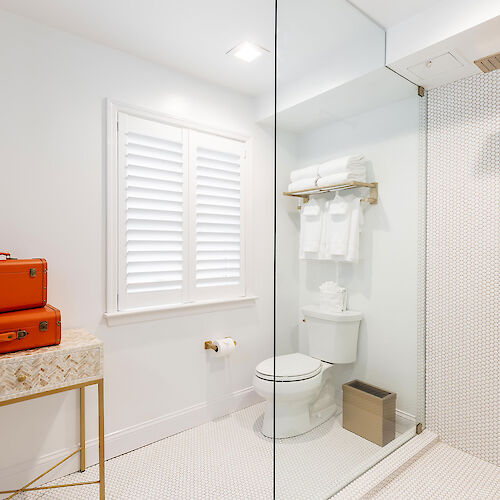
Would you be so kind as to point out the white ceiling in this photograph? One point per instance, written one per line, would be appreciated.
(191, 36)
(328, 42)
(387, 13)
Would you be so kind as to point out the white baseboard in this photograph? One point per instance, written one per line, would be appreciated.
(404, 421)
(128, 439)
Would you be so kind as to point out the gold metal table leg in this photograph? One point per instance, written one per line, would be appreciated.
(52, 487)
(81, 386)
(16, 492)
(82, 429)
(102, 493)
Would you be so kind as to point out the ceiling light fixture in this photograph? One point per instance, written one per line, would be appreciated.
(247, 51)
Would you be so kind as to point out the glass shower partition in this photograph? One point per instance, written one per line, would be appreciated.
(347, 264)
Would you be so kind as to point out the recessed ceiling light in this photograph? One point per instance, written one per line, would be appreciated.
(247, 51)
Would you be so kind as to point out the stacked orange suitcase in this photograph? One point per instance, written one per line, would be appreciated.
(26, 320)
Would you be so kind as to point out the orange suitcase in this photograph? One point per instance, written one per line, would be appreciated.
(23, 283)
(30, 328)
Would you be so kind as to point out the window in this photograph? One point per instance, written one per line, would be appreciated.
(175, 199)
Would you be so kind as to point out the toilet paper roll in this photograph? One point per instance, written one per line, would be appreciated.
(224, 346)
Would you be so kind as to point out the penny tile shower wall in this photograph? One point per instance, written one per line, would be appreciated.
(463, 265)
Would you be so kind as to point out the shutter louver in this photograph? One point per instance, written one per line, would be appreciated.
(179, 205)
(218, 215)
(153, 168)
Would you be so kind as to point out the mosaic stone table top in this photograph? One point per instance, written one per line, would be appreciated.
(77, 359)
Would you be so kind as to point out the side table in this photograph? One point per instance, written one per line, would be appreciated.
(75, 363)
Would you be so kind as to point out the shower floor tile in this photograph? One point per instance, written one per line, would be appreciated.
(229, 459)
(446, 473)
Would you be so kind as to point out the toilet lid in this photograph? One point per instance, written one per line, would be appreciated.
(289, 368)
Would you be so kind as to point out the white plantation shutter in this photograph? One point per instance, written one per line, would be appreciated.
(179, 220)
(151, 171)
(216, 205)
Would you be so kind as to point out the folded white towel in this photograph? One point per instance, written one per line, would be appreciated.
(340, 178)
(303, 184)
(355, 169)
(304, 173)
(349, 163)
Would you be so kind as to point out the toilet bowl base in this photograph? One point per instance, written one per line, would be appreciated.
(292, 420)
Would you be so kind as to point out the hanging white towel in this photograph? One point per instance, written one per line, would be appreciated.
(356, 224)
(337, 225)
(342, 222)
(304, 173)
(346, 163)
(330, 229)
(341, 177)
(311, 218)
(302, 184)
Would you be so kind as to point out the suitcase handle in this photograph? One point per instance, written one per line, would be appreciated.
(8, 336)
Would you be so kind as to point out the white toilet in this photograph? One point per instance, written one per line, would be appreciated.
(305, 392)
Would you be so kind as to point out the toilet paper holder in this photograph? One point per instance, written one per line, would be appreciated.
(210, 345)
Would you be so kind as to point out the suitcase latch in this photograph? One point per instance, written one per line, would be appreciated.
(21, 334)
(32, 272)
(44, 326)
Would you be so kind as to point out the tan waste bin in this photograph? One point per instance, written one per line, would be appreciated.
(369, 412)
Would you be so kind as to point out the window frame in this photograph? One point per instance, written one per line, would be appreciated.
(113, 314)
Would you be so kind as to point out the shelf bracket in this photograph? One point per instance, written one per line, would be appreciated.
(373, 199)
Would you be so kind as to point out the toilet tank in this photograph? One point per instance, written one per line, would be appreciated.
(332, 336)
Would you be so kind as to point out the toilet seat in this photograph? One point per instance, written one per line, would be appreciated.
(289, 368)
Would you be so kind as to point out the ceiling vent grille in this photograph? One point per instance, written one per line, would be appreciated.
(489, 63)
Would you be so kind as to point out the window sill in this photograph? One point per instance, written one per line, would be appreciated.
(170, 311)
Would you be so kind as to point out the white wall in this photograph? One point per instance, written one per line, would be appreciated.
(383, 285)
(53, 88)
